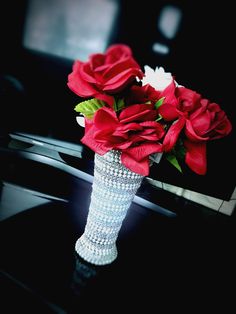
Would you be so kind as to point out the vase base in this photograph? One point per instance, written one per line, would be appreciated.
(92, 254)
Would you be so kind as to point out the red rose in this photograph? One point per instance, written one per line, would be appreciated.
(134, 132)
(187, 99)
(168, 109)
(195, 156)
(207, 123)
(104, 74)
(179, 108)
(201, 121)
(178, 101)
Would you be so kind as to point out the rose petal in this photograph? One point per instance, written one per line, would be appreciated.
(105, 119)
(195, 156)
(139, 152)
(123, 145)
(223, 129)
(173, 134)
(141, 167)
(117, 50)
(78, 85)
(120, 81)
(168, 112)
(96, 60)
(117, 70)
(191, 134)
(202, 124)
(143, 112)
(86, 73)
(129, 127)
(88, 139)
(169, 94)
(107, 98)
(155, 126)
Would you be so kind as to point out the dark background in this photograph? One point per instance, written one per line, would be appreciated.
(36, 99)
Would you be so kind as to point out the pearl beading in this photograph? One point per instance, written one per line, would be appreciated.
(114, 187)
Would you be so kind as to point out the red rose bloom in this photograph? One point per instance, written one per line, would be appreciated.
(178, 101)
(201, 121)
(134, 132)
(208, 122)
(104, 74)
(142, 114)
(178, 108)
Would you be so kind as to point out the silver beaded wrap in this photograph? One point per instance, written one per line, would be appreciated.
(114, 187)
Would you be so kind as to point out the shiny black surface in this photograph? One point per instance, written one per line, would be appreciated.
(160, 258)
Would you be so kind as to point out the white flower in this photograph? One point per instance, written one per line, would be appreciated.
(159, 79)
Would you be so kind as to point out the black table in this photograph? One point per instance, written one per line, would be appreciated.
(161, 258)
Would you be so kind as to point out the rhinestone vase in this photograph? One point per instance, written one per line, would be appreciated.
(114, 187)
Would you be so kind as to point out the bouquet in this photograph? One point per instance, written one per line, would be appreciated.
(143, 114)
(133, 118)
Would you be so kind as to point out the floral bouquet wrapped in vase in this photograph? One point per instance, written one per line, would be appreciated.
(133, 118)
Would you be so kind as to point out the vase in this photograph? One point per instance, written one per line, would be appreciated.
(113, 189)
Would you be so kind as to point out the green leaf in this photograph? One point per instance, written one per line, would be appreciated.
(179, 150)
(89, 107)
(173, 160)
(159, 102)
(119, 104)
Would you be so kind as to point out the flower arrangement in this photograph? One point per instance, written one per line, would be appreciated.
(143, 114)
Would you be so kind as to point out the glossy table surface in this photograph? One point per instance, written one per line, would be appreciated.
(168, 248)
(161, 258)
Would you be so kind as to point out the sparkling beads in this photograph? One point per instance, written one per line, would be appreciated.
(113, 190)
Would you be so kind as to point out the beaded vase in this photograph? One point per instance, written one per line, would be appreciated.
(114, 187)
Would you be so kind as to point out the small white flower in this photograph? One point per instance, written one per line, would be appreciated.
(159, 79)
